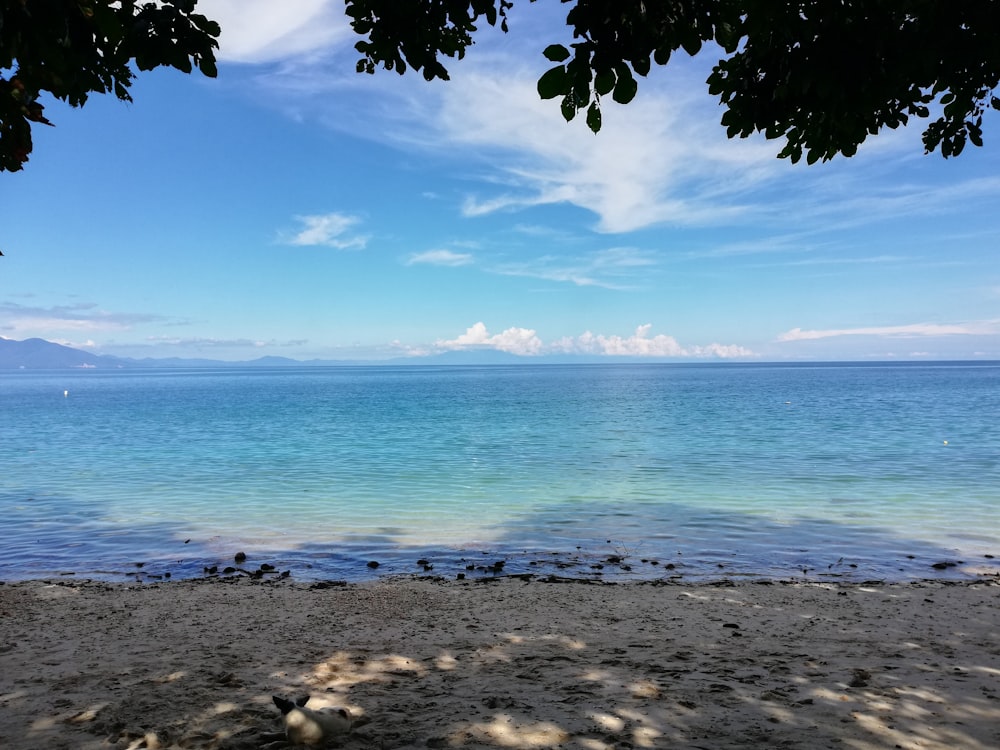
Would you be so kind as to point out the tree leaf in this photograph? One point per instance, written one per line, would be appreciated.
(625, 88)
(594, 117)
(568, 107)
(556, 53)
(553, 82)
(605, 81)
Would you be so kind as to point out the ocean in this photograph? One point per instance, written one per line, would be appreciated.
(687, 472)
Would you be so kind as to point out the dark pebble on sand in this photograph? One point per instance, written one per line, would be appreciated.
(212, 570)
(266, 567)
(240, 557)
(373, 564)
(285, 574)
(228, 569)
(460, 576)
(943, 565)
(861, 678)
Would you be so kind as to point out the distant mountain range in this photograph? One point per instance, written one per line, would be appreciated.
(39, 354)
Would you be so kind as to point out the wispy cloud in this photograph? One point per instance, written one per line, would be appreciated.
(525, 341)
(255, 31)
(201, 342)
(327, 230)
(79, 317)
(915, 330)
(662, 159)
(655, 164)
(440, 258)
(870, 260)
(614, 268)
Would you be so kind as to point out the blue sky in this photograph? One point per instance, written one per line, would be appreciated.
(292, 207)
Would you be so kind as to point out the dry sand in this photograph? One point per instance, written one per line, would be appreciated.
(503, 664)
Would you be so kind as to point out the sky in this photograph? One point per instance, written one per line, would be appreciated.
(293, 207)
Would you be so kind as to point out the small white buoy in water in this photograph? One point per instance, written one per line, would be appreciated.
(946, 442)
(65, 393)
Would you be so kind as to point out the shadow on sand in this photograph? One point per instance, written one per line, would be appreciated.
(507, 664)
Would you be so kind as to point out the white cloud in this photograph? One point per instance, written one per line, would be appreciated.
(977, 328)
(328, 230)
(522, 341)
(658, 162)
(440, 258)
(525, 341)
(662, 159)
(255, 31)
(639, 344)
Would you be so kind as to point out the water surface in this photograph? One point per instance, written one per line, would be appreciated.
(699, 471)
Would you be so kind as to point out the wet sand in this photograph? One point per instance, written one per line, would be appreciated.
(503, 662)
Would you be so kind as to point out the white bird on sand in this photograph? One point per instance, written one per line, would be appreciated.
(312, 727)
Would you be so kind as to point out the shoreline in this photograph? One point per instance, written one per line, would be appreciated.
(504, 661)
(612, 561)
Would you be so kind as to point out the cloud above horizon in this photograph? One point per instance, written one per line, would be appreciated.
(525, 342)
(915, 330)
(521, 341)
(81, 317)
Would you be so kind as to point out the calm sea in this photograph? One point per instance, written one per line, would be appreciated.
(614, 471)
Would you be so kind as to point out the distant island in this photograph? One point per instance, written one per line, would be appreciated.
(39, 354)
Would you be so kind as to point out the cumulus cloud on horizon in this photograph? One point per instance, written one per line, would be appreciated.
(525, 342)
(522, 341)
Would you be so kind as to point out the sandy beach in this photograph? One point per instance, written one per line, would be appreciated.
(503, 663)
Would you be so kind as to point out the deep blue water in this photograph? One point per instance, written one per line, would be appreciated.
(807, 471)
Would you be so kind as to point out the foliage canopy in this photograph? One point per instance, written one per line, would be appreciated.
(822, 74)
(74, 48)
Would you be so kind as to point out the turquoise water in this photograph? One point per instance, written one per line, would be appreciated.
(697, 471)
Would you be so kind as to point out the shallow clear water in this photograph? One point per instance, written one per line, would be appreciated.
(858, 471)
